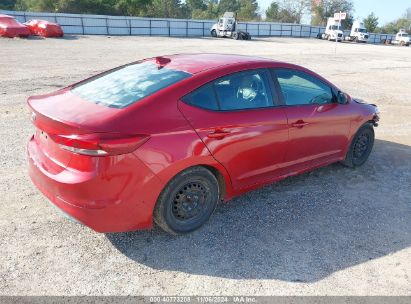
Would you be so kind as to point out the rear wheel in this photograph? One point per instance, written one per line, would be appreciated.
(214, 33)
(235, 36)
(188, 201)
(361, 147)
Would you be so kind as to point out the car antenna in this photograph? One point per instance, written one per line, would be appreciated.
(162, 61)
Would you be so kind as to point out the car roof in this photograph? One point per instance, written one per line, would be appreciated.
(196, 63)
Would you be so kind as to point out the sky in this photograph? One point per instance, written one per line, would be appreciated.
(385, 10)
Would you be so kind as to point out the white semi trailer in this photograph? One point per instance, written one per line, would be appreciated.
(332, 31)
(402, 38)
(226, 27)
(358, 32)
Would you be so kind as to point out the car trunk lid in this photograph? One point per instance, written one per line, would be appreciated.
(58, 115)
(71, 131)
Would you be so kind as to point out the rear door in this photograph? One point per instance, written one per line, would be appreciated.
(237, 118)
(318, 125)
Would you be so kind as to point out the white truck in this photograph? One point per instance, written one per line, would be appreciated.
(332, 31)
(226, 27)
(402, 38)
(358, 32)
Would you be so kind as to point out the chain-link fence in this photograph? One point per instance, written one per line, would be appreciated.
(120, 25)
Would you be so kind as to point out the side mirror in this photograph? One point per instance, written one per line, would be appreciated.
(342, 98)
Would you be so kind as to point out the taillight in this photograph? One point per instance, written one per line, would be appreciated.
(99, 144)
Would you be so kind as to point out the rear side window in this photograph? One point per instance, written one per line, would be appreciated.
(245, 90)
(128, 84)
(238, 91)
(299, 88)
(203, 97)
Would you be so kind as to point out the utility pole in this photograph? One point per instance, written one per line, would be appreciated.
(325, 2)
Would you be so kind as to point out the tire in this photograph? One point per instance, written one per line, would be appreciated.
(361, 147)
(402, 43)
(244, 35)
(235, 36)
(188, 201)
(319, 36)
(213, 33)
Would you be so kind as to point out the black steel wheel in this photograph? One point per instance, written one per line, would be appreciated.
(361, 147)
(188, 201)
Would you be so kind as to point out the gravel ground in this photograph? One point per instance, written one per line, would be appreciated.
(334, 231)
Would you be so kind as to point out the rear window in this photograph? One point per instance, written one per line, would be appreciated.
(128, 84)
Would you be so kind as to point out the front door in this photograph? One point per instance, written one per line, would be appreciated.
(318, 125)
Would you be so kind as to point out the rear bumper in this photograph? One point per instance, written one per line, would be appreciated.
(118, 195)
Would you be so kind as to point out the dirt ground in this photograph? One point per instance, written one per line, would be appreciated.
(334, 231)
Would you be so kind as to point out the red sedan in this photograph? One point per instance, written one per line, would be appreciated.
(167, 138)
(10, 27)
(44, 28)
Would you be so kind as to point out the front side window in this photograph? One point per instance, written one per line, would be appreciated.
(238, 91)
(128, 84)
(299, 88)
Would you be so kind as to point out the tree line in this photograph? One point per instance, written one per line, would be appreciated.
(289, 11)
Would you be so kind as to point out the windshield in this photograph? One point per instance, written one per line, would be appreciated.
(128, 84)
(334, 27)
(361, 30)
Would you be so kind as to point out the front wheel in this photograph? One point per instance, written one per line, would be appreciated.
(361, 147)
(187, 201)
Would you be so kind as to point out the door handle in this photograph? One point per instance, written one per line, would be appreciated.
(218, 134)
(299, 124)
